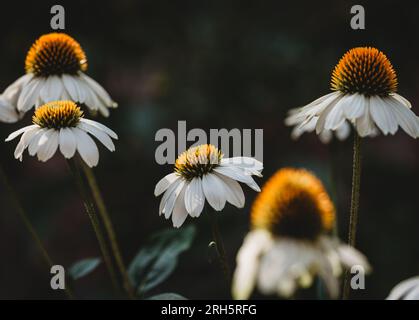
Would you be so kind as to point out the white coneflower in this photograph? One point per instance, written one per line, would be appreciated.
(60, 124)
(289, 244)
(202, 173)
(55, 66)
(364, 84)
(406, 290)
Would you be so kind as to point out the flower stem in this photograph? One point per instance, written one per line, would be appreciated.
(103, 212)
(219, 245)
(353, 216)
(28, 224)
(90, 210)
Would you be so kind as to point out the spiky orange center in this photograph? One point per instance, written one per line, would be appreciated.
(364, 70)
(197, 161)
(55, 54)
(293, 203)
(57, 115)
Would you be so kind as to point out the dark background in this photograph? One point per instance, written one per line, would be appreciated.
(216, 64)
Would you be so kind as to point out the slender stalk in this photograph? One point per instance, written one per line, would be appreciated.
(219, 245)
(353, 216)
(103, 212)
(90, 209)
(28, 224)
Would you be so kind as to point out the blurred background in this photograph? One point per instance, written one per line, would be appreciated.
(215, 64)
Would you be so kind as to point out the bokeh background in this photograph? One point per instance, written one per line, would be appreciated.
(215, 64)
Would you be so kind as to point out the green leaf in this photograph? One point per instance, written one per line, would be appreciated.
(156, 261)
(83, 267)
(167, 296)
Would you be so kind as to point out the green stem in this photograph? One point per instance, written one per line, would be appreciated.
(219, 245)
(28, 224)
(103, 212)
(353, 216)
(90, 210)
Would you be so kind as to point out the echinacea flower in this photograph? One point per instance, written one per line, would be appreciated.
(289, 243)
(61, 124)
(364, 85)
(406, 290)
(202, 173)
(55, 66)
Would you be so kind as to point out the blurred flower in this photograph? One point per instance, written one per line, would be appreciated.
(61, 124)
(202, 173)
(55, 66)
(289, 244)
(364, 84)
(406, 290)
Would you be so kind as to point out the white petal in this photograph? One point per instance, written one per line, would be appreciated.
(323, 115)
(74, 90)
(15, 134)
(364, 125)
(8, 112)
(237, 174)
(52, 89)
(100, 126)
(86, 147)
(194, 197)
(343, 131)
(171, 199)
(403, 100)
(244, 278)
(24, 141)
(48, 145)
(400, 291)
(353, 106)
(67, 142)
(167, 194)
(179, 211)
(234, 192)
(12, 92)
(34, 144)
(335, 117)
(98, 89)
(382, 115)
(99, 134)
(405, 118)
(214, 191)
(29, 94)
(164, 183)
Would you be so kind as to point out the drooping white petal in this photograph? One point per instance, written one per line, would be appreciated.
(73, 88)
(323, 115)
(255, 243)
(34, 144)
(24, 141)
(17, 133)
(179, 211)
(8, 112)
(12, 92)
(52, 89)
(234, 192)
(407, 120)
(237, 174)
(48, 145)
(350, 257)
(353, 106)
(343, 131)
(400, 291)
(164, 183)
(325, 136)
(30, 94)
(171, 199)
(100, 126)
(67, 142)
(86, 147)
(98, 89)
(364, 125)
(335, 117)
(214, 191)
(382, 115)
(172, 187)
(194, 197)
(402, 100)
(101, 135)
